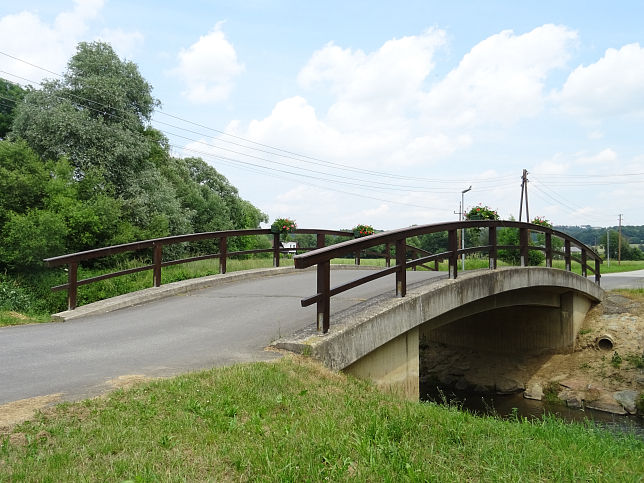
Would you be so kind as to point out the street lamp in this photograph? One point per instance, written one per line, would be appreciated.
(460, 214)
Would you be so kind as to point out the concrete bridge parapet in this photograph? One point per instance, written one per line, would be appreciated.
(379, 339)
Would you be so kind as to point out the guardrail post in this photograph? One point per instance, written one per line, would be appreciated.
(401, 263)
(357, 254)
(223, 254)
(493, 253)
(567, 256)
(72, 288)
(276, 249)
(388, 255)
(452, 247)
(158, 254)
(597, 274)
(548, 250)
(584, 272)
(324, 286)
(319, 240)
(523, 241)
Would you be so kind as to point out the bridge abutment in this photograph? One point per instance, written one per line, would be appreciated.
(393, 366)
(551, 325)
(379, 340)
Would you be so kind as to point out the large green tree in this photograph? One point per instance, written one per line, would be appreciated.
(10, 95)
(95, 116)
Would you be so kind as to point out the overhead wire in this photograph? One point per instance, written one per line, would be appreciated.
(280, 151)
(363, 183)
(493, 183)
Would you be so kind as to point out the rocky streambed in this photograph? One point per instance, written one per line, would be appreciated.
(605, 371)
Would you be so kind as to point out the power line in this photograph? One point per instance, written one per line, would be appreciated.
(366, 183)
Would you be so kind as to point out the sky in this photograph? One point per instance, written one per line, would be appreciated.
(340, 113)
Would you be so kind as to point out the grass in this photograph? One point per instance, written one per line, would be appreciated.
(9, 317)
(294, 421)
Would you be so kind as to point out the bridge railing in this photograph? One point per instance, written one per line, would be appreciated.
(397, 238)
(156, 245)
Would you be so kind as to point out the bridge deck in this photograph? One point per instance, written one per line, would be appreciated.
(205, 328)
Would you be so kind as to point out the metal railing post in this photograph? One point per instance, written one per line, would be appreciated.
(72, 289)
(401, 272)
(597, 274)
(493, 253)
(567, 256)
(158, 255)
(584, 272)
(319, 240)
(223, 254)
(324, 286)
(357, 254)
(523, 242)
(452, 247)
(276, 249)
(388, 255)
(548, 250)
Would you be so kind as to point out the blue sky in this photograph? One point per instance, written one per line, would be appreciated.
(380, 114)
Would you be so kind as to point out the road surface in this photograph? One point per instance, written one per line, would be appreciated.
(202, 329)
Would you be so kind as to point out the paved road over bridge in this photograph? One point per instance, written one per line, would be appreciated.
(204, 328)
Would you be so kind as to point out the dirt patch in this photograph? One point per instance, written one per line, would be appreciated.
(18, 411)
(127, 381)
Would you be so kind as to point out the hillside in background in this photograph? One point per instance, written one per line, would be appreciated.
(594, 235)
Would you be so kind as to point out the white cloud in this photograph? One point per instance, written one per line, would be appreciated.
(373, 90)
(25, 36)
(208, 67)
(605, 157)
(384, 113)
(614, 85)
(501, 79)
(554, 166)
(126, 44)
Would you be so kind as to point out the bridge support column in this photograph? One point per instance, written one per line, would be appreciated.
(393, 366)
(574, 308)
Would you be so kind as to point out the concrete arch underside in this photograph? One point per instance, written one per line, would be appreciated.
(379, 339)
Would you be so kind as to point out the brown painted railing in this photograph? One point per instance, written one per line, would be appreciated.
(156, 245)
(322, 257)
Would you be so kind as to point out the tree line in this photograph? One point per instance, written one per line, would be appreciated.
(81, 167)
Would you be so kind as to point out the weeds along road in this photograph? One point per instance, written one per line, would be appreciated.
(210, 327)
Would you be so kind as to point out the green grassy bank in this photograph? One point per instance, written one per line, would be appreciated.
(294, 421)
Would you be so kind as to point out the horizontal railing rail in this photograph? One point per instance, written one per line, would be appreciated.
(73, 260)
(398, 238)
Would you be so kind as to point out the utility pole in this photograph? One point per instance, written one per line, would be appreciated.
(619, 241)
(524, 189)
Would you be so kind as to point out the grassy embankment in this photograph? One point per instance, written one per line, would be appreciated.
(39, 303)
(294, 421)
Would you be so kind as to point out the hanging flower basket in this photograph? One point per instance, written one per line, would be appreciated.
(541, 221)
(481, 212)
(363, 230)
(283, 226)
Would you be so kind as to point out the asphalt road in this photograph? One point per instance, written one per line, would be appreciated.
(204, 328)
(610, 281)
